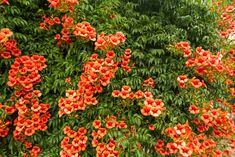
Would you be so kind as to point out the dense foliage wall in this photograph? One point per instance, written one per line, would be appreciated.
(152, 29)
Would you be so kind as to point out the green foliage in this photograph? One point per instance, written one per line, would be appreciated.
(150, 27)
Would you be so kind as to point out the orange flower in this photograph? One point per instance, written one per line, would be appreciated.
(155, 112)
(182, 79)
(160, 143)
(110, 124)
(124, 94)
(180, 129)
(148, 94)
(196, 83)
(6, 54)
(126, 88)
(116, 93)
(139, 94)
(217, 133)
(101, 132)
(27, 144)
(6, 31)
(193, 109)
(146, 110)
(110, 54)
(111, 145)
(151, 127)
(122, 125)
(183, 44)
(114, 40)
(170, 131)
(185, 151)
(206, 118)
(232, 90)
(94, 134)
(109, 62)
(95, 142)
(191, 62)
(187, 52)
(35, 150)
(100, 148)
(104, 71)
(3, 38)
(16, 52)
(29, 131)
(158, 103)
(10, 109)
(172, 148)
(131, 95)
(96, 124)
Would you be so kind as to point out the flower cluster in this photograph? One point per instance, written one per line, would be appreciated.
(210, 117)
(74, 142)
(34, 152)
(49, 22)
(97, 73)
(153, 107)
(184, 82)
(185, 46)
(126, 93)
(186, 143)
(226, 20)
(103, 149)
(84, 31)
(126, 60)
(22, 76)
(32, 115)
(4, 2)
(63, 5)
(24, 73)
(208, 64)
(108, 149)
(149, 83)
(110, 41)
(8, 110)
(4, 126)
(232, 91)
(68, 80)
(8, 47)
(5, 33)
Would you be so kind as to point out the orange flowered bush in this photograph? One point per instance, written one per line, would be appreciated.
(96, 110)
(23, 75)
(78, 144)
(97, 73)
(8, 47)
